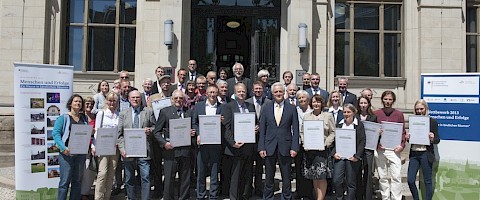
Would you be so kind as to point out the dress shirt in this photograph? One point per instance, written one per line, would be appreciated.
(351, 126)
(335, 112)
(133, 115)
(242, 107)
(210, 109)
(124, 103)
(282, 104)
(110, 120)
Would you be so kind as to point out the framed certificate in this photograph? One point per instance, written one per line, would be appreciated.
(180, 132)
(313, 135)
(419, 128)
(372, 130)
(392, 135)
(244, 127)
(105, 141)
(159, 104)
(345, 142)
(209, 129)
(79, 139)
(135, 142)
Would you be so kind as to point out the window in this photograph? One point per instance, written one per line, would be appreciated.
(368, 39)
(473, 35)
(100, 35)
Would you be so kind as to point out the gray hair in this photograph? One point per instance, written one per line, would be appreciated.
(277, 84)
(221, 82)
(263, 72)
(350, 107)
(342, 78)
(302, 92)
(147, 80)
(237, 64)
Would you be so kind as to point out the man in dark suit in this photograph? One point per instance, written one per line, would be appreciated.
(226, 163)
(147, 91)
(192, 70)
(315, 89)
(223, 97)
(241, 172)
(348, 97)
(208, 155)
(238, 72)
(279, 139)
(291, 94)
(136, 117)
(175, 158)
(259, 99)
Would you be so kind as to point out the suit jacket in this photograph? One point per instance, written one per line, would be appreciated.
(162, 134)
(171, 88)
(370, 118)
(147, 119)
(285, 136)
(200, 110)
(228, 111)
(231, 86)
(359, 137)
(144, 100)
(262, 102)
(350, 98)
(339, 117)
(323, 93)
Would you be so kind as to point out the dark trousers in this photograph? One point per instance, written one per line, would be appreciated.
(345, 170)
(419, 159)
(258, 172)
(365, 179)
(157, 168)
(285, 169)
(225, 171)
(208, 162)
(241, 177)
(171, 166)
(304, 186)
(118, 172)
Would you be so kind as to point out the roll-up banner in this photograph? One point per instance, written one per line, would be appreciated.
(453, 100)
(40, 95)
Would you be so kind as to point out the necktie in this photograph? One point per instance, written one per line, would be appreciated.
(315, 91)
(292, 101)
(136, 120)
(191, 78)
(278, 114)
(147, 97)
(180, 114)
(258, 108)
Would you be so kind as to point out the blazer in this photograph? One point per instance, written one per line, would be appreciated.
(200, 110)
(263, 102)
(359, 137)
(339, 117)
(350, 98)
(147, 119)
(144, 100)
(228, 111)
(370, 118)
(162, 134)
(231, 86)
(323, 93)
(285, 136)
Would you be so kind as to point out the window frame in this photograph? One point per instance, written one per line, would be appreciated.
(476, 5)
(381, 36)
(85, 25)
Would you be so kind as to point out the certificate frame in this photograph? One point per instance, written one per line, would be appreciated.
(371, 134)
(419, 128)
(209, 127)
(135, 142)
(345, 142)
(314, 135)
(244, 127)
(392, 135)
(159, 104)
(180, 132)
(79, 139)
(105, 141)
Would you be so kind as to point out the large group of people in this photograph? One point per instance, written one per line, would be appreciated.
(236, 168)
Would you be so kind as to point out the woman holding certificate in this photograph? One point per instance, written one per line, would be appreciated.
(315, 161)
(388, 160)
(348, 151)
(106, 118)
(422, 155)
(71, 166)
(364, 180)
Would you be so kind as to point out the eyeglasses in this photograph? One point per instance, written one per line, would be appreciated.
(125, 77)
(177, 97)
(201, 83)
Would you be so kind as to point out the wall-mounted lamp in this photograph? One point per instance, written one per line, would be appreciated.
(302, 36)
(168, 34)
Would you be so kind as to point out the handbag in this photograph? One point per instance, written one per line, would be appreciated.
(93, 164)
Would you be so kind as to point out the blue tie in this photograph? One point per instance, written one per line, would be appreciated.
(136, 120)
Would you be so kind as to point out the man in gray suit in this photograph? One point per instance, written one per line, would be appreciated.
(175, 158)
(136, 117)
(238, 72)
(258, 100)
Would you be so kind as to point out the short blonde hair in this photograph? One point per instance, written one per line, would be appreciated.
(110, 95)
(340, 101)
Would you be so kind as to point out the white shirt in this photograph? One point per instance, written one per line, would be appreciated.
(351, 126)
(210, 109)
(245, 109)
(105, 119)
(335, 112)
(190, 74)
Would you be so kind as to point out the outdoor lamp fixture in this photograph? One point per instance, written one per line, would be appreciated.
(168, 34)
(233, 24)
(302, 36)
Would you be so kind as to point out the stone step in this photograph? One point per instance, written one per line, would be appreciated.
(7, 159)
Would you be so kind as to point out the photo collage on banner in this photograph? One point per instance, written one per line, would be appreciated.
(40, 95)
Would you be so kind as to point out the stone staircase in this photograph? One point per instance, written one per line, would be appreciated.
(7, 141)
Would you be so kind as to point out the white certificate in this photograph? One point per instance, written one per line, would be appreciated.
(345, 142)
(135, 142)
(371, 133)
(392, 135)
(313, 135)
(105, 141)
(180, 132)
(159, 104)
(419, 127)
(209, 129)
(244, 127)
(79, 139)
